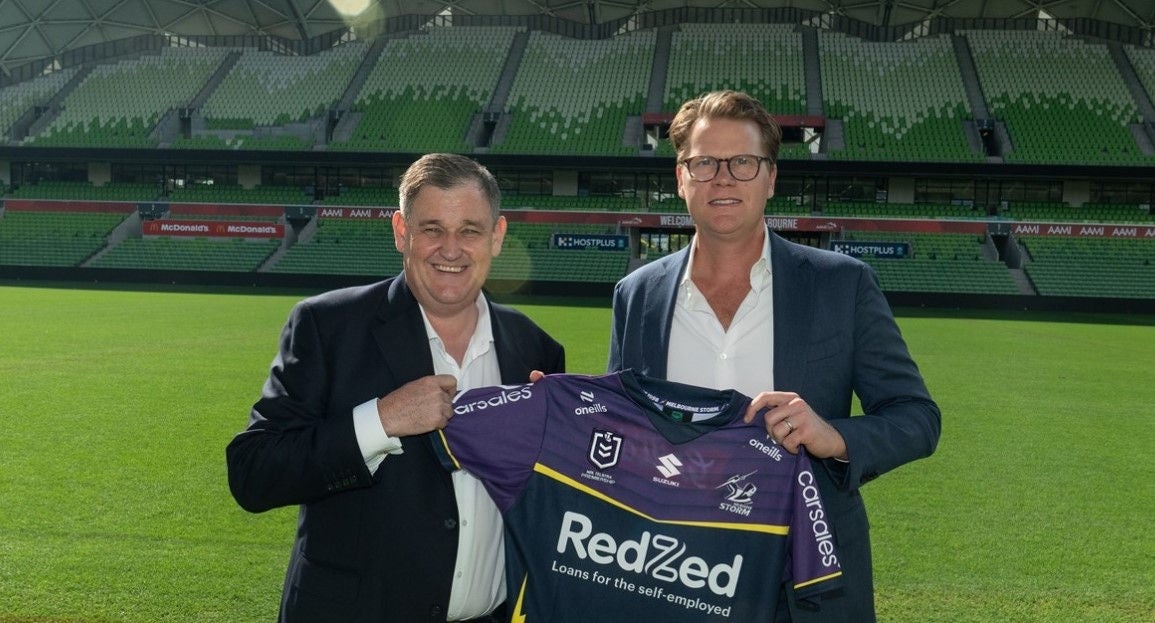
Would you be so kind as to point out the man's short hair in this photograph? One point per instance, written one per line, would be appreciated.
(725, 105)
(447, 171)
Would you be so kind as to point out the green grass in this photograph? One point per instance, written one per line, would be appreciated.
(116, 407)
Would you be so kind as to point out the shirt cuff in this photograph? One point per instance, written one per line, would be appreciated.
(374, 442)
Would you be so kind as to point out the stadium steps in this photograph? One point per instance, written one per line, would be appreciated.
(508, 73)
(812, 68)
(1131, 80)
(128, 228)
(1023, 282)
(215, 79)
(53, 107)
(357, 82)
(970, 78)
(656, 94)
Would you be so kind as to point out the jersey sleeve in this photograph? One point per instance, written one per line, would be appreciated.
(495, 434)
(814, 566)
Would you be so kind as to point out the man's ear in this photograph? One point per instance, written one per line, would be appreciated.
(400, 232)
(498, 236)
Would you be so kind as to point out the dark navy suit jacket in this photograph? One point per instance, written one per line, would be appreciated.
(372, 548)
(834, 335)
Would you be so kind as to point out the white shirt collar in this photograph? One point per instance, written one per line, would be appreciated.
(482, 332)
(759, 273)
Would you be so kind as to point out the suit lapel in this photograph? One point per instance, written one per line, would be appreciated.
(400, 334)
(661, 305)
(793, 283)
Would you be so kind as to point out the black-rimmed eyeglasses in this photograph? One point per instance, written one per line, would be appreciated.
(742, 168)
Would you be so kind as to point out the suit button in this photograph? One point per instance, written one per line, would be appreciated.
(450, 524)
(436, 612)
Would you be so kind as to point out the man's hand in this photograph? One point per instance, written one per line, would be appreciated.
(536, 375)
(792, 423)
(418, 406)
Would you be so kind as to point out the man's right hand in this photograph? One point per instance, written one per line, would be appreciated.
(418, 406)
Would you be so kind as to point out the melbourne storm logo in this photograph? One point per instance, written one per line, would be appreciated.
(605, 449)
(739, 496)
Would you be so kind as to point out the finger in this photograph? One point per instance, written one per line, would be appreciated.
(536, 375)
(447, 383)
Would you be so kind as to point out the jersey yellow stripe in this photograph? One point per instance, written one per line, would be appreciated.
(817, 580)
(570, 482)
(448, 450)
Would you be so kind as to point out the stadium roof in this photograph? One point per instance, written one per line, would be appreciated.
(33, 30)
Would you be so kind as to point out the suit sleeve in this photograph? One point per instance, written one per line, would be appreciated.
(617, 330)
(292, 451)
(902, 423)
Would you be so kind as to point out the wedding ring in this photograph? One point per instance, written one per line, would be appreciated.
(789, 425)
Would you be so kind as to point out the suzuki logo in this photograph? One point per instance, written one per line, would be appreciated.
(668, 465)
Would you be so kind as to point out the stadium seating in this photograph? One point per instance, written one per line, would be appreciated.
(118, 104)
(112, 191)
(951, 263)
(764, 60)
(269, 89)
(455, 67)
(344, 247)
(374, 196)
(900, 210)
(1090, 212)
(200, 254)
(573, 96)
(897, 101)
(1099, 267)
(18, 99)
(1143, 60)
(53, 238)
(226, 193)
(1062, 98)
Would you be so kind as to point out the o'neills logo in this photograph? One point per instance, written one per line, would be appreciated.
(659, 556)
(817, 517)
(505, 397)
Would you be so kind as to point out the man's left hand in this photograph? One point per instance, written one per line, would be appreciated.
(792, 423)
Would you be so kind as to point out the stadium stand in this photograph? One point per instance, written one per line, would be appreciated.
(231, 193)
(18, 100)
(1061, 212)
(53, 238)
(1062, 98)
(897, 101)
(341, 246)
(573, 96)
(764, 60)
(1101, 267)
(951, 263)
(119, 104)
(456, 68)
(267, 89)
(196, 254)
(1143, 60)
(901, 210)
(85, 191)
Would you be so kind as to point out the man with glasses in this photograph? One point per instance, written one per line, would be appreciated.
(799, 329)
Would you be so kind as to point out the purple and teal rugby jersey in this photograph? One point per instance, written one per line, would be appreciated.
(628, 498)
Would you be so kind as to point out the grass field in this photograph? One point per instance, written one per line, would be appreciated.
(117, 405)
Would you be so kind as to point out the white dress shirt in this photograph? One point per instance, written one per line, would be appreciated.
(704, 353)
(479, 574)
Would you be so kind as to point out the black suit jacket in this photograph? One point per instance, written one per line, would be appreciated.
(370, 548)
(834, 335)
